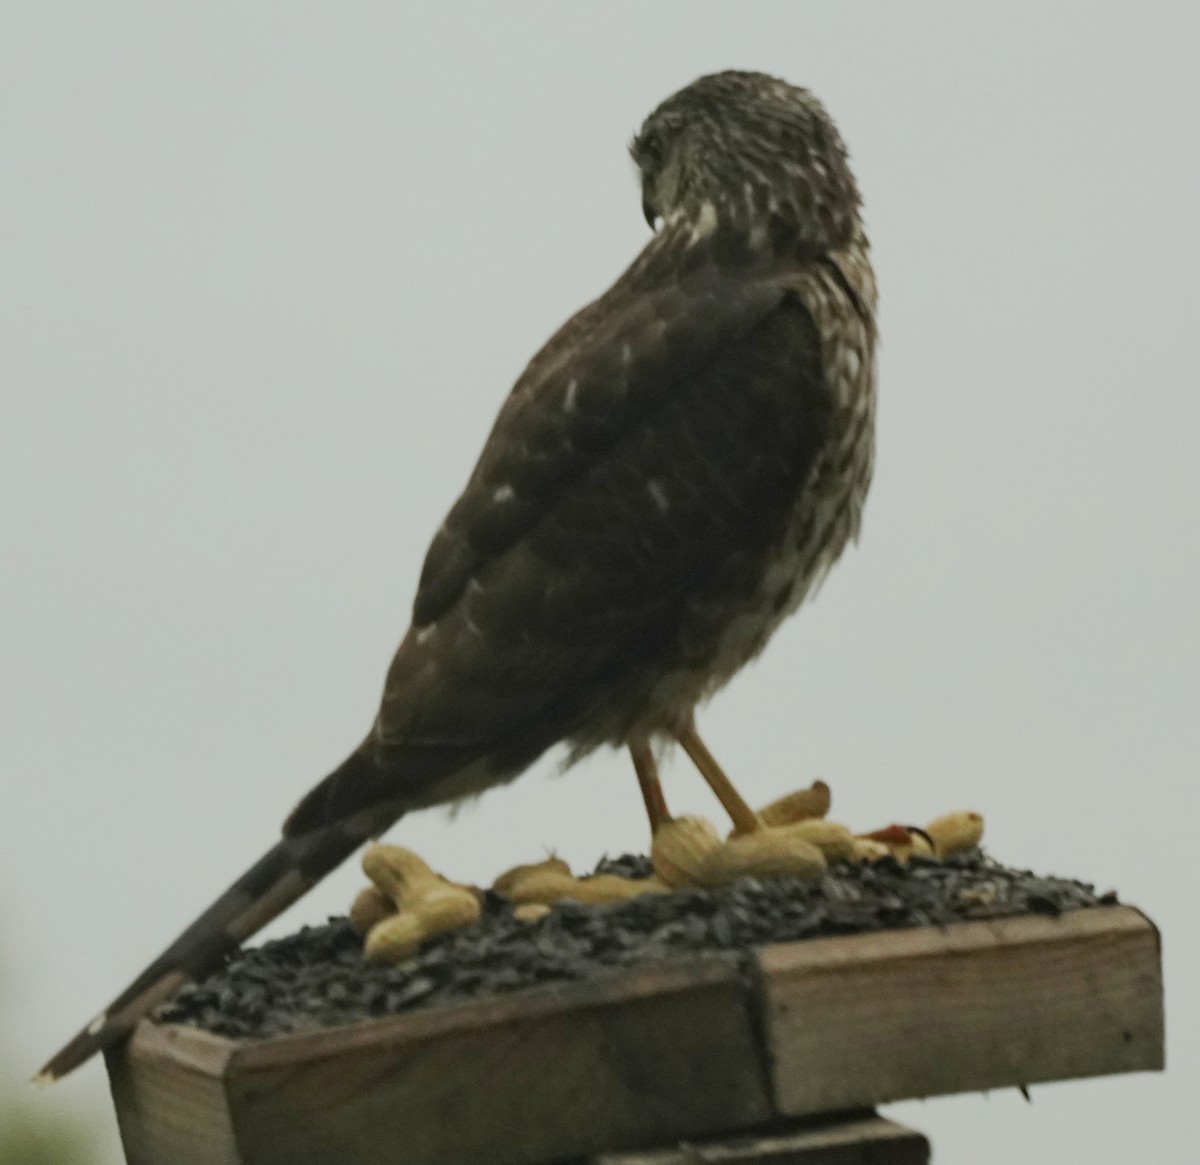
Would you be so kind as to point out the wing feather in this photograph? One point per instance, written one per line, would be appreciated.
(565, 415)
(636, 478)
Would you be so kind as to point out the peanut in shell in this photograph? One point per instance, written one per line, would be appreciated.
(834, 840)
(765, 853)
(504, 883)
(550, 886)
(394, 939)
(604, 888)
(680, 848)
(954, 832)
(368, 908)
(400, 937)
(798, 806)
(546, 886)
(398, 873)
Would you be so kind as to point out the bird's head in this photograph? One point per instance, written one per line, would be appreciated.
(755, 151)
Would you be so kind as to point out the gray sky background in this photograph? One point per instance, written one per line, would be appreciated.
(266, 273)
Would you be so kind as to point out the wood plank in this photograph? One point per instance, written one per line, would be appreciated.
(851, 1139)
(651, 1054)
(858, 1021)
(168, 1087)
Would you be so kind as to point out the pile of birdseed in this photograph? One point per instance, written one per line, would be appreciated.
(318, 977)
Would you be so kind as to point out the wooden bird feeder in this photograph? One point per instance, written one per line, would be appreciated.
(669, 1063)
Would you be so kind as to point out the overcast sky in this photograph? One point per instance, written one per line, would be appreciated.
(266, 272)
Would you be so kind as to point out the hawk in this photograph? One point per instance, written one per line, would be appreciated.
(668, 479)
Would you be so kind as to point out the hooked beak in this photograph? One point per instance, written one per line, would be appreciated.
(649, 212)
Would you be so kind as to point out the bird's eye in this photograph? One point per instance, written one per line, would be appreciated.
(647, 150)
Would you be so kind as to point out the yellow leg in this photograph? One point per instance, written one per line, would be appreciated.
(652, 790)
(745, 820)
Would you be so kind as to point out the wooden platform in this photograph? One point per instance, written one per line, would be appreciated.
(650, 1057)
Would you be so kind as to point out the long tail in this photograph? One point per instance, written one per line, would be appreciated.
(274, 882)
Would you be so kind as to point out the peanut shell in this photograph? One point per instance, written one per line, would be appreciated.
(766, 853)
(953, 832)
(371, 906)
(835, 841)
(398, 873)
(542, 885)
(601, 888)
(504, 882)
(798, 806)
(397, 938)
(680, 848)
